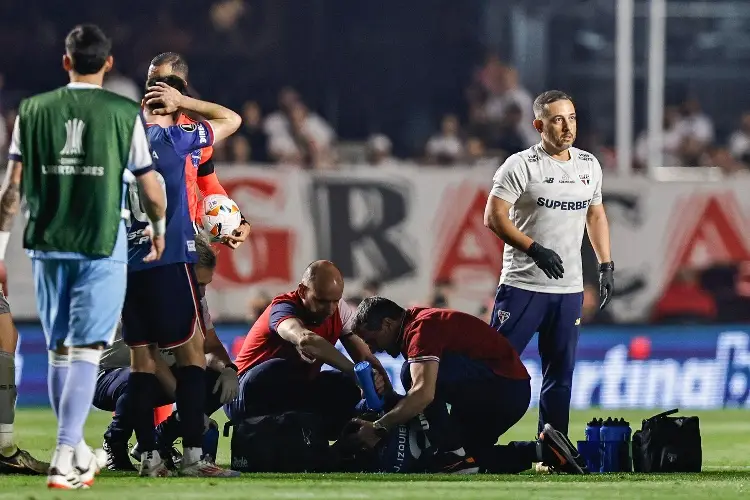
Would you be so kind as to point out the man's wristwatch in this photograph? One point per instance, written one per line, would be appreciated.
(380, 430)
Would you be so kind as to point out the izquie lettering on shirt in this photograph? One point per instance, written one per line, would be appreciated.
(550, 200)
(263, 342)
(170, 147)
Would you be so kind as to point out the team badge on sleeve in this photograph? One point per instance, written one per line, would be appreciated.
(503, 316)
(188, 127)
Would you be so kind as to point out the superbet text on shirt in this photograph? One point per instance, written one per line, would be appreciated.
(550, 200)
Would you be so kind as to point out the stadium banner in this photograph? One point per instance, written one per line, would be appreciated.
(700, 367)
(413, 226)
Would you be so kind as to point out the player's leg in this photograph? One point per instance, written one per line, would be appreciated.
(517, 314)
(333, 395)
(12, 459)
(96, 293)
(558, 340)
(141, 328)
(53, 303)
(109, 395)
(168, 431)
(181, 332)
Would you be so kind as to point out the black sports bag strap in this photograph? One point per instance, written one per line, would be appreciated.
(663, 414)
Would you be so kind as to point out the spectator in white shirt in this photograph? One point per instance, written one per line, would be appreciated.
(695, 123)
(378, 151)
(673, 137)
(445, 148)
(277, 123)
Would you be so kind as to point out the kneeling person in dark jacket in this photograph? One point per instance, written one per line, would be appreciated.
(458, 359)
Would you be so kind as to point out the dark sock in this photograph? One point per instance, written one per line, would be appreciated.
(190, 404)
(139, 405)
(168, 431)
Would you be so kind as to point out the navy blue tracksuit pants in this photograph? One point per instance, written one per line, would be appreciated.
(280, 385)
(518, 314)
(484, 406)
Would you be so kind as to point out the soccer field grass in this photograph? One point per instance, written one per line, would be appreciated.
(726, 460)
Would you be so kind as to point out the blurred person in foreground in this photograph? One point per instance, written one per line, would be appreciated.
(457, 359)
(72, 153)
(541, 201)
(281, 357)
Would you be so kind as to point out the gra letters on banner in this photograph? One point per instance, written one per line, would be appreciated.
(362, 218)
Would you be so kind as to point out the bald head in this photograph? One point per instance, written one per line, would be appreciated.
(321, 288)
(322, 273)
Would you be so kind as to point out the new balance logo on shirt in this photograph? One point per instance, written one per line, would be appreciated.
(74, 138)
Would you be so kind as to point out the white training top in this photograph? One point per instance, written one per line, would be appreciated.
(550, 200)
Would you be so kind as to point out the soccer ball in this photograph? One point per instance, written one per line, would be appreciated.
(220, 217)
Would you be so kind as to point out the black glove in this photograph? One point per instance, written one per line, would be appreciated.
(547, 260)
(606, 283)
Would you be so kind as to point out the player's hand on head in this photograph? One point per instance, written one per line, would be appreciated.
(169, 98)
(547, 260)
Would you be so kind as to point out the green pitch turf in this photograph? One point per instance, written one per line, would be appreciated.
(726, 459)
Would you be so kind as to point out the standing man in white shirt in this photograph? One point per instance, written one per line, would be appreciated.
(541, 200)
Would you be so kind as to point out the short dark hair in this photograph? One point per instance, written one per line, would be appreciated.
(548, 97)
(178, 63)
(173, 81)
(373, 310)
(88, 48)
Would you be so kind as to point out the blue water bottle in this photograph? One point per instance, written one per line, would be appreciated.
(610, 436)
(211, 441)
(593, 429)
(590, 448)
(363, 371)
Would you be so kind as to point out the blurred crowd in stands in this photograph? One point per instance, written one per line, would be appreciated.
(496, 122)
